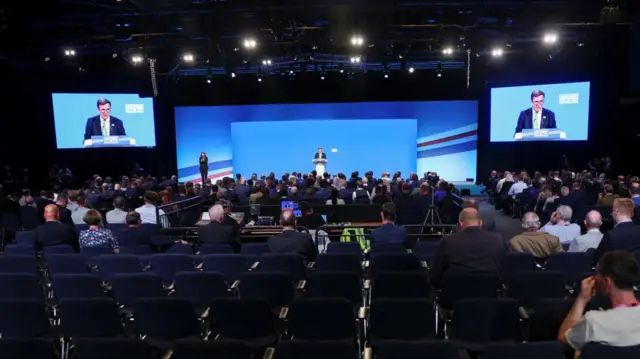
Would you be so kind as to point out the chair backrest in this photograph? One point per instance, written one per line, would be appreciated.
(200, 288)
(392, 349)
(23, 318)
(402, 319)
(255, 249)
(290, 263)
(108, 348)
(14, 249)
(90, 318)
(275, 288)
(139, 250)
(27, 348)
(26, 238)
(232, 266)
(401, 285)
(242, 319)
(21, 286)
(77, 286)
(547, 317)
(58, 249)
(122, 263)
(180, 248)
(322, 319)
(529, 288)
(482, 321)
(395, 262)
(572, 264)
(338, 262)
(67, 264)
(18, 264)
(167, 265)
(426, 250)
(334, 284)
(388, 247)
(228, 349)
(292, 349)
(515, 262)
(344, 248)
(215, 249)
(127, 288)
(550, 350)
(166, 319)
(464, 286)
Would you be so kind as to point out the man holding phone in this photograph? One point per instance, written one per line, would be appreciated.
(617, 273)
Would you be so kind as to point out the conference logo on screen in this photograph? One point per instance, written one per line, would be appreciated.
(568, 98)
(134, 108)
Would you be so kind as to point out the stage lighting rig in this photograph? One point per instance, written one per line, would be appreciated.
(357, 41)
(250, 43)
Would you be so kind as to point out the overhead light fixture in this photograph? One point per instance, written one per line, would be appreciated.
(233, 75)
(550, 38)
(355, 59)
(497, 52)
(250, 43)
(136, 59)
(266, 62)
(411, 70)
(188, 57)
(69, 52)
(357, 41)
(447, 51)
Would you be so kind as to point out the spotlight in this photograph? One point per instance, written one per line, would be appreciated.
(233, 75)
(386, 76)
(355, 59)
(321, 77)
(357, 41)
(411, 70)
(550, 38)
(266, 62)
(69, 52)
(439, 70)
(208, 79)
(136, 59)
(497, 52)
(447, 51)
(187, 57)
(250, 44)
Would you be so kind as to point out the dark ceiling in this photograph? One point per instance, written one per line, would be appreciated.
(288, 30)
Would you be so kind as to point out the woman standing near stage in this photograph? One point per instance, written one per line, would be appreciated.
(204, 166)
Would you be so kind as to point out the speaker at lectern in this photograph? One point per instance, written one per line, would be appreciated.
(321, 164)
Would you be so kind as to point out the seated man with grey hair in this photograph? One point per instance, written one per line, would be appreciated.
(217, 232)
(292, 241)
(592, 238)
(560, 225)
(540, 244)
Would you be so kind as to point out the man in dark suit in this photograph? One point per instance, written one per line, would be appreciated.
(292, 241)
(625, 235)
(217, 233)
(389, 231)
(104, 124)
(65, 214)
(320, 154)
(227, 220)
(488, 223)
(136, 234)
(472, 250)
(52, 232)
(536, 117)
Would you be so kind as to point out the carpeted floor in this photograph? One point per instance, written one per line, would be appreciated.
(507, 227)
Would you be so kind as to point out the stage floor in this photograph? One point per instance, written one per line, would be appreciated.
(471, 186)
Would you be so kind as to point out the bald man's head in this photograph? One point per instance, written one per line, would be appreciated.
(593, 220)
(287, 219)
(51, 212)
(469, 217)
(470, 203)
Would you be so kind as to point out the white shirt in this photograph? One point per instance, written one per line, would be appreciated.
(589, 240)
(516, 188)
(148, 215)
(116, 216)
(618, 327)
(106, 124)
(78, 214)
(339, 201)
(566, 232)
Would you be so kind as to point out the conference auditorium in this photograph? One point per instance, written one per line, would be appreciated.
(316, 179)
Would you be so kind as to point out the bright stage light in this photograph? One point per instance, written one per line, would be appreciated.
(250, 43)
(497, 52)
(550, 38)
(447, 51)
(69, 52)
(357, 41)
(188, 57)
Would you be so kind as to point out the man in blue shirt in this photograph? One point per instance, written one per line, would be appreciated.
(561, 226)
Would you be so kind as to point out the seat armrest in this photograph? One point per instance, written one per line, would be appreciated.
(367, 284)
(269, 353)
(301, 285)
(254, 266)
(362, 313)
(284, 311)
(368, 353)
(523, 313)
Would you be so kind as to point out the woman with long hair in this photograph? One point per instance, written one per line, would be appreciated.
(204, 166)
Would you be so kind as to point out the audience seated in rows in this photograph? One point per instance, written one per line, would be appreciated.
(560, 225)
(591, 239)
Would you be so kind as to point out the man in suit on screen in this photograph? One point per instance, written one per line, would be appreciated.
(320, 154)
(536, 117)
(104, 124)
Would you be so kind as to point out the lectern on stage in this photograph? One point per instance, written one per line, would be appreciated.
(320, 163)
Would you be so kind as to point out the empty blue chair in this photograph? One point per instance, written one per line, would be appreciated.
(180, 248)
(77, 286)
(599, 351)
(322, 319)
(401, 285)
(572, 264)
(334, 349)
(21, 286)
(254, 249)
(164, 320)
(27, 348)
(401, 319)
(167, 265)
(290, 263)
(516, 262)
(200, 288)
(24, 318)
(478, 322)
(463, 286)
(275, 288)
(392, 349)
(140, 250)
(26, 238)
(81, 227)
(387, 247)
(90, 318)
(329, 284)
(18, 264)
(122, 263)
(67, 264)
(395, 262)
(231, 266)
(14, 249)
(109, 348)
(250, 321)
(551, 350)
(215, 249)
(127, 288)
(426, 251)
(529, 288)
(343, 262)
(344, 248)
(58, 249)
(200, 349)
